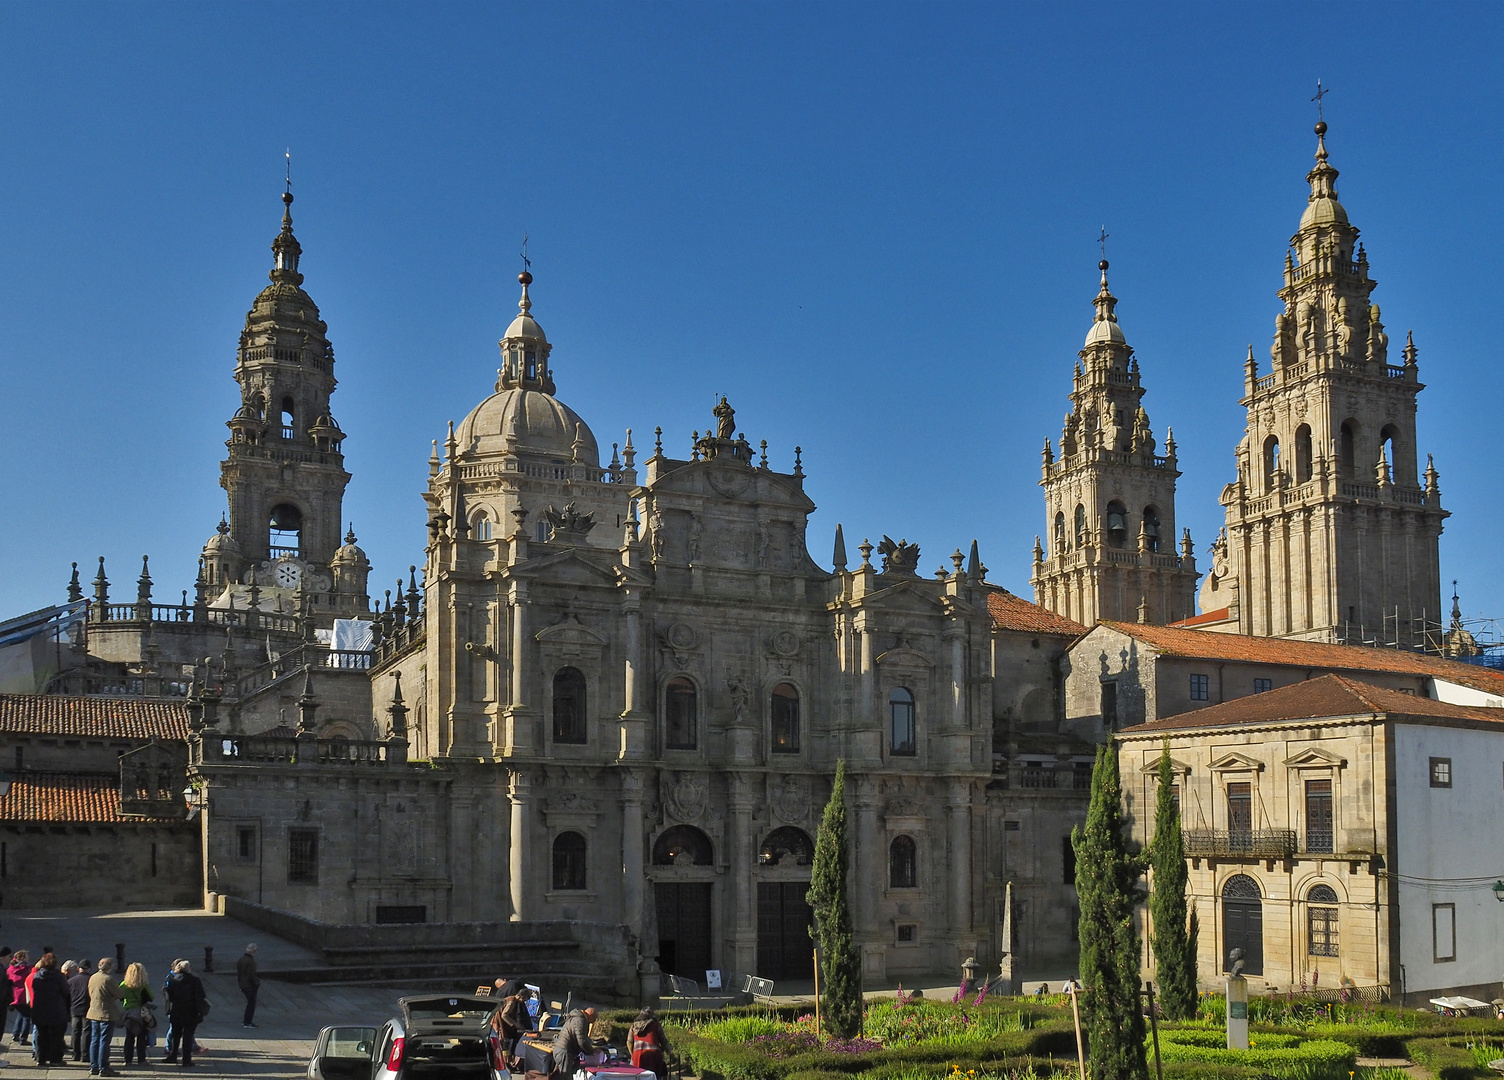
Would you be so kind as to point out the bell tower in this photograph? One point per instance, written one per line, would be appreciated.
(1110, 497)
(284, 473)
(1332, 530)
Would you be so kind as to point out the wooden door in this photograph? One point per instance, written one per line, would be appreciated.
(683, 928)
(784, 947)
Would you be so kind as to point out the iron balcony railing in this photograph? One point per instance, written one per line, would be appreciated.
(1265, 844)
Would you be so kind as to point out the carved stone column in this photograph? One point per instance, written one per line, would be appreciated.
(868, 880)
(742, 948)
(958, 812)
(522, 799)
(519, 715)
(631, 850)
(635, 681)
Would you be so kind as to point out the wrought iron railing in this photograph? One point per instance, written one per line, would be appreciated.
(1319, 841)
(1264, 843)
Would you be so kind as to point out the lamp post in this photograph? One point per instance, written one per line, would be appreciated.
(1498, 886)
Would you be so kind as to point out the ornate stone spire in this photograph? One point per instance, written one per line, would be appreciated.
(1105, 326)
(285, 248)
(525, 348)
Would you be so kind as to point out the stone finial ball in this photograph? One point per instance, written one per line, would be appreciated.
(1321, 127)
(525, 278)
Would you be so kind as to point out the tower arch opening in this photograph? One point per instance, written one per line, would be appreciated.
(289, 418)
(1117, 524)
(1347, 449)
(1058, 545)
(1080, 526)
(1303, 453)
(286, 530)
(1151, 529)
(1271, 462)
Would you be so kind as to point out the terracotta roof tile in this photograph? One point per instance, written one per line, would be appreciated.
(92, 717)
(1316, 699)
(64, 798)
(1210, 645)
(1011, 612)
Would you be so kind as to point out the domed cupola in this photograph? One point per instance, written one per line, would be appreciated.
(1105, 328)
(223, 559)
(523, 418)
(351, 568)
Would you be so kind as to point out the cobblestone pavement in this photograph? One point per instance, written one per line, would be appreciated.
(288, 1016)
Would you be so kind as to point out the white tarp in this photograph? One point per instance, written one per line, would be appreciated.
(351, 635)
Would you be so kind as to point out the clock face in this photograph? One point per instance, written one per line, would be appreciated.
(288, 574)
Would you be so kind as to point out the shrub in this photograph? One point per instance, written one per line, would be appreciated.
(740, 1029)
(1287, 1056)
(1450, 1059)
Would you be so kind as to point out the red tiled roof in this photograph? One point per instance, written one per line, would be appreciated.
(64, 798)
(1011, 612)
(1316, 699)
(1220, 615)
(92, 717)
(1210, 645)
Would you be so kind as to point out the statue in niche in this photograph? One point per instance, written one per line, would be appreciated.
(696, 530)
(739, 698)
(655, 522)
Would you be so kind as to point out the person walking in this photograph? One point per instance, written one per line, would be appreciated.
(135, 1001)
(186, 1006)
(19, 969)
(573, 1040)
(250, 982)
(104, 1013)
(78, 991)
(51, 1009)
(648, 1044)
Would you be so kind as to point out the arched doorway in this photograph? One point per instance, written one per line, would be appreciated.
(783, 914)
(682, 899)
(1243, 923)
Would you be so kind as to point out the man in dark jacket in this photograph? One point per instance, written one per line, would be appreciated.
(51, 1007)
(250, 982)
(186, 1006)
(573, 1040)
(78, 993)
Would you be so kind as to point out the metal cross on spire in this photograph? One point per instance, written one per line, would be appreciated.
(1103, 241)
(289, 170)
(527, 264)
(1321, 92)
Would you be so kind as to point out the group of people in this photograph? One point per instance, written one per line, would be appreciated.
(646, 1040)
(49, 997)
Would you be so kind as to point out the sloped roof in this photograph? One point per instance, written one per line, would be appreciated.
(1011, 612)
(1210, 645)
(64, 798)
(92, 717)
(1318, 699)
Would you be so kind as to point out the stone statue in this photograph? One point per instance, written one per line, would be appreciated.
(725, 420)
(655, 521)
(1378, 341)
(739, 697)
(695, 532)
(899, 558)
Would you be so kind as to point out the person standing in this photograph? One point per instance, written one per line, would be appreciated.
(135, 999)
(104, 1013)
(20, 967)
(51, 1007)
(648, 1044)
(78, 991)
(186, 1006)
(573, 1040)
(6, 990)
(250, 982)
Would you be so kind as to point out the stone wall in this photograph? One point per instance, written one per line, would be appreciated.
(100, 866)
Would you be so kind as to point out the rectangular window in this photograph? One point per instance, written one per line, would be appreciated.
(1322, 925)
(303, 856)
(785, 710)
(901, 737)
(1200, 687)
(906, 933)
(1010, 825)
(154, 860)
(1443, 932)
(1441, 772)
(1110, 705)
(1262, 686)
(401, 913)
(1319, 820)
(1067, 861)
(1240, 816)
(245, 843)
(1175, 797)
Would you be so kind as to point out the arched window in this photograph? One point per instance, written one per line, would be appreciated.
(901, 722)
(480, 527)
(787, 843)
(569, 861)
(1117, 524)
(1271, 462)
(1347, 448)
(1058, 548)
(1151, 529)
(1321, 920)
(785, 719)
(681, 715)
(1302, 453)
(569, 706)
(1080, 526)
(289, 423)
(1243, 923)
(543, 532)
(1389, 450)
(286, 530)
(530, 364)
(683, 845)
(903, 869)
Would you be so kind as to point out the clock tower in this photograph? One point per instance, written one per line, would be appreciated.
(279, 547)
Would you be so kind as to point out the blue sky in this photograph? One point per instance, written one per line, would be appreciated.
(872, 226)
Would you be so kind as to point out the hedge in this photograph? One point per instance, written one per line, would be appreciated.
(1294, 1055)
(1450, 1059)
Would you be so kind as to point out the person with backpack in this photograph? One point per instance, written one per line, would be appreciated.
(187, 1005)
(136, 1001)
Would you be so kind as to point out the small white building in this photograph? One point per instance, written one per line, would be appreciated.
(1338, 832)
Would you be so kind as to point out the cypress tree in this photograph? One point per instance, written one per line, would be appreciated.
(1174, 951)
(840, 966)
(1106, 887)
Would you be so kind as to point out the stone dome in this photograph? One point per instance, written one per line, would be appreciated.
(1323, 210)
(542, 424)
(222, 543)
(1105, 330)
(524, 326)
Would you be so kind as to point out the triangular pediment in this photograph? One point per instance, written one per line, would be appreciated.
(734, 481)
(570, 632)
(1177, 767)
(1235, 762)
(910, 594)
(902, 656)
(576, 564)
(1314, 757)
